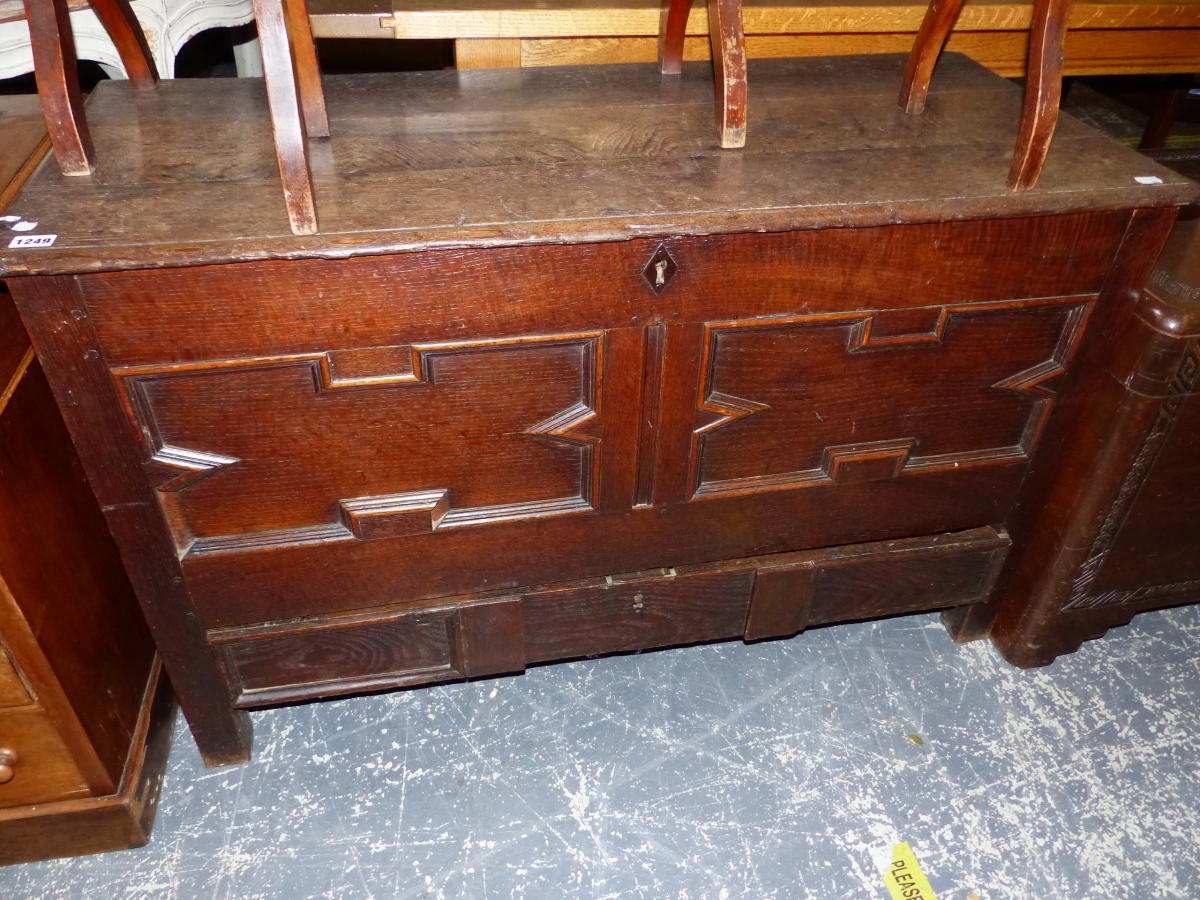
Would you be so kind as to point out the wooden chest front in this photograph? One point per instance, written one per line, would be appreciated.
(328, 437)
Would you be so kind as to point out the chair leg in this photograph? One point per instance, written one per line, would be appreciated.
(286, 122)
(728, 41)
(671, 29)
(308, 72)
(935, 28)
(53, 47)
(127, 34)
(1043, 89)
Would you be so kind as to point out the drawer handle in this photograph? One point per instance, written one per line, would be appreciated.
(8, 759)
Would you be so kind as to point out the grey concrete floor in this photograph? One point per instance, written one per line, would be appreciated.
(723, 772)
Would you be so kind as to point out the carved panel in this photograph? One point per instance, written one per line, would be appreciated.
(829, 399)
(373, 443)
(1083, 594)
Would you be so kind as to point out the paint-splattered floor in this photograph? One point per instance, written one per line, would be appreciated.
(766, 772)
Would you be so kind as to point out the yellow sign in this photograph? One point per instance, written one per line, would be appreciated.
(904, 878)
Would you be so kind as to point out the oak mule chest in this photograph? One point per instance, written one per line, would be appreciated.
(560, 377)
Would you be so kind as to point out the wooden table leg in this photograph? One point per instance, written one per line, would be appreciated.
(126, 31)
(53, 47)
(1043, 89)
(671, 29)
(728, 40)
(935, 28)
(286, 122)
(308, 72)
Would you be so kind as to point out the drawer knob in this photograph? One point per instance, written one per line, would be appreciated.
(8, 759)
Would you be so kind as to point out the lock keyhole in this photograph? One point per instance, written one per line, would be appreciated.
(660, 273)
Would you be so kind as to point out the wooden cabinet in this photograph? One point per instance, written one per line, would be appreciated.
(85, 715)
(673, 395)
(1120, 532)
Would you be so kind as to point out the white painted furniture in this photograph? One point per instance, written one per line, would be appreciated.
(168, 24)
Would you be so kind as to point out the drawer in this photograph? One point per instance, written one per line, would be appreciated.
(12, 688)
(638, 612)
(433, 642)
(44, 769)
(758, 597)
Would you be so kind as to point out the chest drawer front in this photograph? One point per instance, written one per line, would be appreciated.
(768, 596)
(44, 770)
(330, 436)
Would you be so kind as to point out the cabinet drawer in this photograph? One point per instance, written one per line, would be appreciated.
(44, 770)
(758, 597)
(372, 651)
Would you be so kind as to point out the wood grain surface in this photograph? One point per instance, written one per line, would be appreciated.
(539, 156)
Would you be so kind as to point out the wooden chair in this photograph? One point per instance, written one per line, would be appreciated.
(54, 67)
(728, 40)
(289, 64)
(1043, 84)
(1043, 88)
(296, 100)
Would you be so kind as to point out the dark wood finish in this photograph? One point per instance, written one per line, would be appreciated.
(629, 159)
(53, 46)
(672, 27)
(1043, 81)
(54, 545)
(119, 21)
(728, 40)
(8, 759)
(1043, 89)
(1167, 103)
(100, 824)
(931, 38)
(78, 672)
(12, 688)
(287, 119)
(308, 73)
(425, 445)
(135, 520)
(1120, 533)
(23, 143)
(866, 581)
(424, 642)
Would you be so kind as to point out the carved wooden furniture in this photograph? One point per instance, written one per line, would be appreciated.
(1121, 531)
(85, 721)
(559, 377)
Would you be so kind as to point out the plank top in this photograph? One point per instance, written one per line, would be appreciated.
(187, 174)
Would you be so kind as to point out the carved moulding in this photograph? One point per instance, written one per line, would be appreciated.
(858, 461)
(176, 469)
(1081, 595)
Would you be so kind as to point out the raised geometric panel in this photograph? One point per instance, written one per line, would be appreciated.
(794, 401)
(371, 443)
